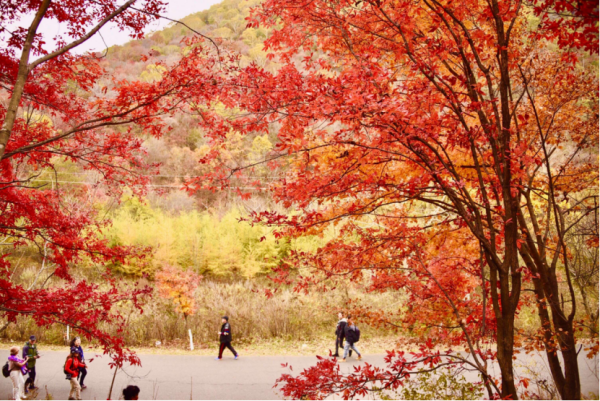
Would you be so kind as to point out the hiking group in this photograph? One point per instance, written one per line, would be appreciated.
(346, 335)
(75, 368)
(17, 368)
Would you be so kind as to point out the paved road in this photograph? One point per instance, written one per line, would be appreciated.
(201, 377)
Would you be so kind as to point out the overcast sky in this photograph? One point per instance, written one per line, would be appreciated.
(176, 9)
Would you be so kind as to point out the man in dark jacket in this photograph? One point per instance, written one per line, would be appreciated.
(30, 350)
(225, 338)
(340, 334)
(352, 337)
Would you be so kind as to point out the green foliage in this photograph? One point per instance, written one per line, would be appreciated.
(250, 37)
(193, 138)
(441, 386)
(203, 242)
(194, 21)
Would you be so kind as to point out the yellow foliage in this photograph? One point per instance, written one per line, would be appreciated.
(258, 55)
(202, 242)
(223, 32)
(152, 73)
(260, 145)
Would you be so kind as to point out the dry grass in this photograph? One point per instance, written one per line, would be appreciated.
(288, 318)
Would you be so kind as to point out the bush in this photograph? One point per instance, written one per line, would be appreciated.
(441, 385)
(209, 245)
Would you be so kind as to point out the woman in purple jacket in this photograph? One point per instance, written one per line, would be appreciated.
(17, 368)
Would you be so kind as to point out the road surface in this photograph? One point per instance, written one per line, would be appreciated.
(201, 377)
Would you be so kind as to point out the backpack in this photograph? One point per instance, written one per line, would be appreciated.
(5, 370)
(65, 369)
(353, 335)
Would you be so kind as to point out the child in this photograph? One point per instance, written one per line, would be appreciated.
(72, 367)
(225, 338)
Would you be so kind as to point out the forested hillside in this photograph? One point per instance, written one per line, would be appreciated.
(200, 231)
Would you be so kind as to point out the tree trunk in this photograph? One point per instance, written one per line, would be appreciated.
(23, 72)
(572, 388)
(549, 343)
(568, 383)
(505, 345)
(505, 322)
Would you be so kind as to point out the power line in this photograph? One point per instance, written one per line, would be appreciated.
(139, 185)
(160, 175)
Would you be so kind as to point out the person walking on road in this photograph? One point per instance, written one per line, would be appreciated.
(225, 338)
(31, 353)
(131, 393)
(17, 368)
(72, 366)
(352, 336)
(340, 334)
(76, 345)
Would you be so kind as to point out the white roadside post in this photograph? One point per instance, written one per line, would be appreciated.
(68, 333)
(191, 340)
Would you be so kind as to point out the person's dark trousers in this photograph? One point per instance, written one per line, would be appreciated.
(82, 374)
(30, 382)
(339, 343)
(222, 348)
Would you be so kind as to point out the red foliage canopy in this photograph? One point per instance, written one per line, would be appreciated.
(441, 139)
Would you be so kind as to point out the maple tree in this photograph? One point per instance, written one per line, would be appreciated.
(179, 286)
(60, 108)
(407, 124)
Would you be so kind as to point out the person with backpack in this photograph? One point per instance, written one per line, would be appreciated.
(352, 336)
(30, 351)
(76, 345)
(225, 339)
(340, 334)
(72, 365)
(17, 368)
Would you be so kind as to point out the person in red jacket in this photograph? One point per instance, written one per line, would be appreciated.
(72, 367)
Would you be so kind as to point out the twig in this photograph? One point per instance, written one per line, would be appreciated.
(113, 382)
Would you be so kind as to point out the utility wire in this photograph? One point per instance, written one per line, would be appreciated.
(139, 185)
